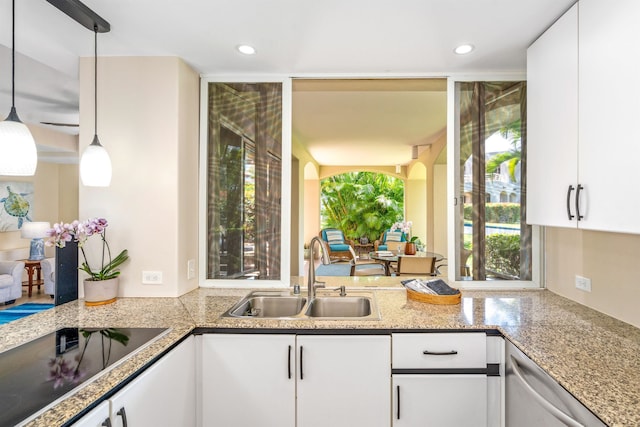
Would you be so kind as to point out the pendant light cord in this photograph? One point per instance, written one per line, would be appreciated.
(13, 55)
(95, 87)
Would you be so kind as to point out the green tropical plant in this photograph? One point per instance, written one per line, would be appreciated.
(361, 204)
(503, 254)
(500, 213)
(511, 132)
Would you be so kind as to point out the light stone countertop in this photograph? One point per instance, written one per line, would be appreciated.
(592, 355)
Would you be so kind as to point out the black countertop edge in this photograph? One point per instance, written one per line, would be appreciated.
(353, 331)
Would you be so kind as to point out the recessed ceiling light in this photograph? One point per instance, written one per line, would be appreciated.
(463, 49)
(246, 49)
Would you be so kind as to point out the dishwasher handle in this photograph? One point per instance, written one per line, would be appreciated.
(541, 400)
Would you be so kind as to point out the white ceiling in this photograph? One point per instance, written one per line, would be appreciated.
(368, 122)
(304, 38)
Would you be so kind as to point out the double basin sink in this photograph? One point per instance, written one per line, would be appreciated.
(284, 305)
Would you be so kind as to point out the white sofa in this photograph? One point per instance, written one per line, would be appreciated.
(10, 281)
(48, 270)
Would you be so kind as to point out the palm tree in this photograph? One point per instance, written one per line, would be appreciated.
(511, 132)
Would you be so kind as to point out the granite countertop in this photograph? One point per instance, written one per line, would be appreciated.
(592, 355)
(124, 313)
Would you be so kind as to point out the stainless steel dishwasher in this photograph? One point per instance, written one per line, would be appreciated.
(534, 399)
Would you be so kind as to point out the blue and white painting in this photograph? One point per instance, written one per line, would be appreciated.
(16, 204)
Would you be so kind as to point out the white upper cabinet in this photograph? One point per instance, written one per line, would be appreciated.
(552, 123)
(582, 97)
(609, 109)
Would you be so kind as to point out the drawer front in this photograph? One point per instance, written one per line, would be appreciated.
(439, 350)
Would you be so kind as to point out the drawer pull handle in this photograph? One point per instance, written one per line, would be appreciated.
(122, 413)
(106, 423)
(440, 353)
(398, 402)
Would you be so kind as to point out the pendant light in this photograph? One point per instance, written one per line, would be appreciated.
(95, 164)
(18, 155)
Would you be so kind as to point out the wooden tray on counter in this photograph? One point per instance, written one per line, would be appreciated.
(434, 299)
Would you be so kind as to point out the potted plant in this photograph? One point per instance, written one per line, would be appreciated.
(410, 245)
(101, 287)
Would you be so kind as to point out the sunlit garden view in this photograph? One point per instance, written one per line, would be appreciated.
(361, 204)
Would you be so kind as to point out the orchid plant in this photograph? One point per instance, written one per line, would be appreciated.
(405, 227)
(77, 231)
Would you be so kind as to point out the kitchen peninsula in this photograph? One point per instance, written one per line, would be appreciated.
(590, 354)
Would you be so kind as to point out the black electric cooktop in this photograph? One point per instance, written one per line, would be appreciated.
(37, 373)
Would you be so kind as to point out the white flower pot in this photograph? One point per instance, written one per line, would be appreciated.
(100, 292)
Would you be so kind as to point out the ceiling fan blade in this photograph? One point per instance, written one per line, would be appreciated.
(72, 125)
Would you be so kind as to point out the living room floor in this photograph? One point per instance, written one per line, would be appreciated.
(37, 297)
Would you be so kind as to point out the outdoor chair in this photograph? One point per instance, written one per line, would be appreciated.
(339, 247)
(387, 237)
(365, 268)
(416, 266)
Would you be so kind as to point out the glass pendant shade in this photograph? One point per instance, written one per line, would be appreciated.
(95, 165)
(18, 155)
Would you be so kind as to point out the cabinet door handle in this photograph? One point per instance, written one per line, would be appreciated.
(301, 371)
(122, 413)
(398, 402)
(580, 187)
(541, 400)
(106, 422)
(289, 362)
(440, 353)
(569, 190)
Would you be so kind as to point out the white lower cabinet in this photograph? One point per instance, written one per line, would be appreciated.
(248, 380)
(448, 379)
(440, 400)
(289, 380)
(344, 380)
(163, 395)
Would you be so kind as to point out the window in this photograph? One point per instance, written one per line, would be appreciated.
(493, 241)
(243, 180)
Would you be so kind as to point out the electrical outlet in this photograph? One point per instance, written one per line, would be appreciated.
(152, 277)
(191, 269)
(583, 283)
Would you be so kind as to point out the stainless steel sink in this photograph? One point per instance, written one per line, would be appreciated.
(347, 306)
(284, 305)
(279, 306)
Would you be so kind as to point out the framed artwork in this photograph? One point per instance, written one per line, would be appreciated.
(16, 204)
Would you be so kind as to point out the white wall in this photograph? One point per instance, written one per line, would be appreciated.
(610, 260)
(148, 122)
(415, 201)
(440, 244)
